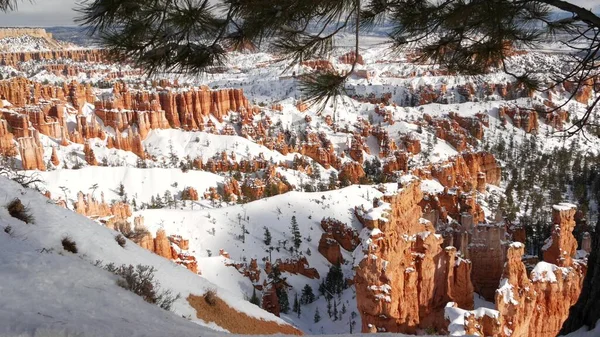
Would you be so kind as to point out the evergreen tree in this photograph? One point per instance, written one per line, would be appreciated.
(121, 192)
(267, 239)
(329, 312)
(297, 237)
(307, 295)
(335, 310)
(317, 316)
(254, 299)
(284, 303)
(296, 306)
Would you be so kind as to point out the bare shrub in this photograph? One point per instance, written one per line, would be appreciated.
(120, 239)
(211, 297)
(69, 245)
(140, 280)
(16, 209)
(136, 234)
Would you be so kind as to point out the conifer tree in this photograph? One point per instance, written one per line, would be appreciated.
(267, 237)
(317, 316)
(297, 237)
(307, 295)
(254, 299)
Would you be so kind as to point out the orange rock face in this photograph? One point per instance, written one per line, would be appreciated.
(90, 158)
(330, 249)
(7, 146)
(82, 55)
(297, 266)
(487, 253)
(405, 278)
(352, 171)
(162, 246)
(32, 154)
(350, 57)
(561, 246)
(537, 304)
(189, 193)
(343, 234)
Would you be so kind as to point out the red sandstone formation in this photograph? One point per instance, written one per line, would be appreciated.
(270, 301)
(132, 143)
(32, 154)
(170, 247)
(464, 171)
(561, 247)
(538, 304)
(7, 146)
(251, 271)
(525, 119)
(189, 193)
(352, 172)
(405, 278)
(320, 149)
(80, 55)
(330, 249)
(90, 158)
(320, 65)
(92, 208)
(350, 57)
(343, 234)
(411, 144)
(298, 266)
(583, 92)
(488, 254)
(54, 158)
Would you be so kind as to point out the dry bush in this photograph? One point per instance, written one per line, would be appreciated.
(69, 245)
(16, 209)
(140, 280)
(211, 297)
(120, 239)
(137, 234)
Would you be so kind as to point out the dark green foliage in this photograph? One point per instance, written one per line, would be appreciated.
(317, 316)
(254, 299)
(334, 283)
(267, 238)
(284, 302)
(16, 209)
(69, 245)
(296, 306)
(296, 236)
(307, 295)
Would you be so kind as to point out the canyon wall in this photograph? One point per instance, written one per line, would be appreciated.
(535, 304)
(405, 278)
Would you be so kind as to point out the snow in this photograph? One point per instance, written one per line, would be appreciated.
(546, 272)
(140, 184)
(431, 186)
(507, 292)
(456, 317)
(517, 245)
(87, 295)
(564, 206)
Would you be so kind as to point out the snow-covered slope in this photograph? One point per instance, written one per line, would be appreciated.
(47, 291)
